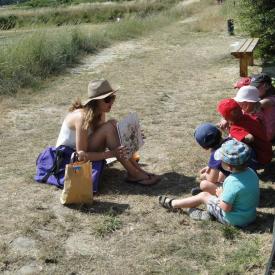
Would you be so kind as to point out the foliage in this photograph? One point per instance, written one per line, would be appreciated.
(43, 53)
(258, 19)
(86, 13)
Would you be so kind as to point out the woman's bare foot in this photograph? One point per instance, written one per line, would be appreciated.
(148, 180)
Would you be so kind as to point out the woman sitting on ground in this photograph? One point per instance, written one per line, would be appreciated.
(85, 128)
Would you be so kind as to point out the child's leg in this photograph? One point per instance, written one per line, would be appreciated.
(194, 201)
(208, 186)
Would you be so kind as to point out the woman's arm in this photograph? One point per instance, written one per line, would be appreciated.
(266, 103)
(82, 142)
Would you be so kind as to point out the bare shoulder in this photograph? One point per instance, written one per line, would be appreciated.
(75, 118)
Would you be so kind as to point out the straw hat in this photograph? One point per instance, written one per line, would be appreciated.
(99, 89)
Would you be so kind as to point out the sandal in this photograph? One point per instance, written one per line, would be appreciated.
(166, 202)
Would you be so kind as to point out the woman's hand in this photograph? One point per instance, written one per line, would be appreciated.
(82, 156)
(120, 152)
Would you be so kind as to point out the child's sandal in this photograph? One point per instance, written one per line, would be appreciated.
(166, 202)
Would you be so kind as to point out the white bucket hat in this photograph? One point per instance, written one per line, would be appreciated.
(248, 94)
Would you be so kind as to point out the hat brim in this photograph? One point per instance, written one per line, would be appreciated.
(256, 84)
(85, 102)
(246, 100)
(218, 154)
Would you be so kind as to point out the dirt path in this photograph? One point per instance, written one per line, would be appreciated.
(173, 79)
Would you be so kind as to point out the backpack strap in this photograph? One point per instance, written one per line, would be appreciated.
(55, 167)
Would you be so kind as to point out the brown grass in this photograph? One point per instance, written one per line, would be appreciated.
(173, 81)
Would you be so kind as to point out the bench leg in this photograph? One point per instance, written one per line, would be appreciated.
(243, 65)
(250, 59)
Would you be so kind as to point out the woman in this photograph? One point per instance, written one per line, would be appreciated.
(85, 129)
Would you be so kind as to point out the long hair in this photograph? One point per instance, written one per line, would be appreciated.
(91, 115)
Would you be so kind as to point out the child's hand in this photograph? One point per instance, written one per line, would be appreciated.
(223, 125)
(219, 191)
(203, 172)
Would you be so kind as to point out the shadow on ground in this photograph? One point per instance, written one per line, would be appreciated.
(102, 207)
(263, 223)
(267, 197)
(269, 173)
(172, 183)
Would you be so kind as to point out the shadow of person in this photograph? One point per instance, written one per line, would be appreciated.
(172, 183)
(101, 207)
(267, 197)
(262, 224)
(269, 173)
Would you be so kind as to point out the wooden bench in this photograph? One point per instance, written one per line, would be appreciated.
(244, 51)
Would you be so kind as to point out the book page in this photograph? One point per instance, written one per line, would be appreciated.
(130, 133)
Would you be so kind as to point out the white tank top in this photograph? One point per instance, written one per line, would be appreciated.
(66, 136)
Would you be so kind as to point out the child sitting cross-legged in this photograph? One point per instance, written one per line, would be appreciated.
(209, 137)
(235, 203)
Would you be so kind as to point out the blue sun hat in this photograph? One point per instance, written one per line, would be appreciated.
(207, 134)
(233, 152)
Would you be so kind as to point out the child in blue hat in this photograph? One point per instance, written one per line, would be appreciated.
(235, 203)
(209, 137)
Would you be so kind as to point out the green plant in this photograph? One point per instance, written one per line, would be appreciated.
(230, 232)
(258, 20)
(110, 224)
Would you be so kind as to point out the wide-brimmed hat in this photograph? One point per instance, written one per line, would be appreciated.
(207, 134)
(99, 89)
(258, 79)
(233, 152)
(247, 94)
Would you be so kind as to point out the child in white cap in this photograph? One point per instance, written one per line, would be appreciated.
(235, 203)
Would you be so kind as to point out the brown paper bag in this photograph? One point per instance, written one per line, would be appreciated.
(78, 186)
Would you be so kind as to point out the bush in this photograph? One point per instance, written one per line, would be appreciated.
(7, 22)
(257, 18)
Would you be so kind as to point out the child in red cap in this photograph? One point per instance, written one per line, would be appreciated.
(248, 129)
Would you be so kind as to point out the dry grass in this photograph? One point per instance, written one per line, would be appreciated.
(173, 81)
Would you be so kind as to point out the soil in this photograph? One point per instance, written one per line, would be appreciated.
(173, 79)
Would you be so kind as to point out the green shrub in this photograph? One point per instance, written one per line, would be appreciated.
(7, 22)
(43, 53)
(257, 18)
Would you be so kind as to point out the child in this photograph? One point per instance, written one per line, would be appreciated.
(236, 202)
(267, 94)
(248, 98)
(248, 129)
(209, 137)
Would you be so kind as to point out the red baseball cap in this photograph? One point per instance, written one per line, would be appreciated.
(244, 81)
(226, 106)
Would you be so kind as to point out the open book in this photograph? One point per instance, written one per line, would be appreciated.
(129, 133)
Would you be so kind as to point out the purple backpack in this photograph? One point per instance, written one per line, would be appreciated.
(51, 163)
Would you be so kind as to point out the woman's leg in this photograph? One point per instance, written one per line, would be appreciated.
(107, 137)
(190, 202)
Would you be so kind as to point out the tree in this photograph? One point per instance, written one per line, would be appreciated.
(257, 17)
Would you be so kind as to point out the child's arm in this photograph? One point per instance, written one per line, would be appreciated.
(226, 207)
(248, 138)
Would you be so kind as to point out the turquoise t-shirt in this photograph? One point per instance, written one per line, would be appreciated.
(241, 190)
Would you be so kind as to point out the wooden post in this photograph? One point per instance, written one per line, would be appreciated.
(250, 59)
(243, 65)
